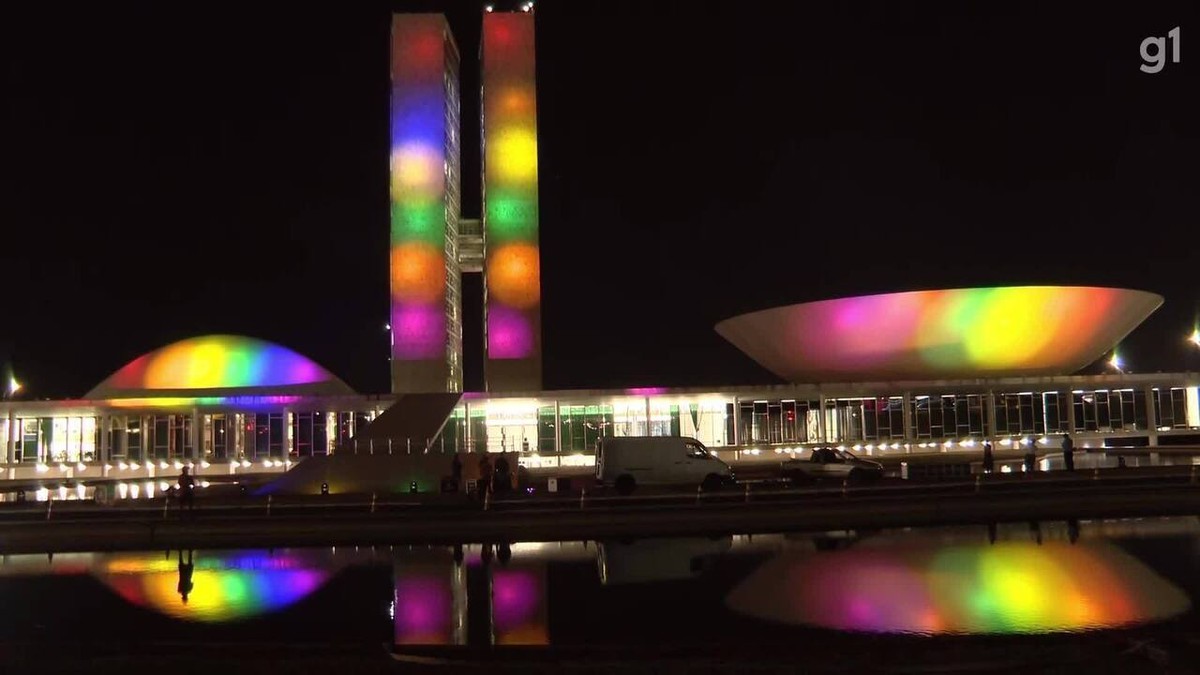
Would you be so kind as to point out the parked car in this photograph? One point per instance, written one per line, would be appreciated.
(832, 463)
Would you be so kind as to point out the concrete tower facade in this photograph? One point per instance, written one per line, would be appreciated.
(426, 305)
(512, 271)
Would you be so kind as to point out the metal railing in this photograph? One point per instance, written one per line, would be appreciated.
(746, 494)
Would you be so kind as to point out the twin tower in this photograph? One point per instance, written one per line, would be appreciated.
(426, 260)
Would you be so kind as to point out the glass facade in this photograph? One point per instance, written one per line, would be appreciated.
(565, 427)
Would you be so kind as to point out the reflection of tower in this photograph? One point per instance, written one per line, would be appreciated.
(512, 270)
(479, 609)
(430, 599)
(425, 296)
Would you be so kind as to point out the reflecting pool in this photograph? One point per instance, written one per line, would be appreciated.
(1013, 594)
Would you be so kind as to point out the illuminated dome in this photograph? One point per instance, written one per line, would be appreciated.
(219, 365)
(957, 333)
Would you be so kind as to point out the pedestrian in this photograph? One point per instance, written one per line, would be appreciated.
(989, 458)
(484, 485)
(1068, 448)
(1031, 456)
(503, 476)
(187, 492)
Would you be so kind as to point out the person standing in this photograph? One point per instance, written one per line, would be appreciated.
(503, 478)
(485, 475)
(989, 458)
(1068, 448)
(187, 492)
(456, 472)
(1031, 456)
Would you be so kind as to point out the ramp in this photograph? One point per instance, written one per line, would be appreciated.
(414, 419)
(389, 455)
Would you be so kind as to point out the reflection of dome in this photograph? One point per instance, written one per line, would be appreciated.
(1009, 587)
(966, 332)
(219, 365)
(223, 588)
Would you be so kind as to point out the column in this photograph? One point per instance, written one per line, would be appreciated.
(648, 432)
(558, 428)
(906, 407)
(821, 424)
(1070, 411)
(197, 439)
(239, 435)
(288, 438)
(144, 442)
(990, 407)
(467, 414)
(12, 437)
(123, 437)
(1151, 416)
(105, 433)
(737, 421)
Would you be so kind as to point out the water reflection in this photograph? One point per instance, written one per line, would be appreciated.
(648, 560)
(1022, 577)
(930, 587)
(214, 587)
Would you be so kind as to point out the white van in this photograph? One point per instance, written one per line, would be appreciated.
(628, 461)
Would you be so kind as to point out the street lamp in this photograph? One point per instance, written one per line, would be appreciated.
(1194, 338)
(13, 387)
(1115, 363)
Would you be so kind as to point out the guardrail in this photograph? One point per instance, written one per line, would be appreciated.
(746, 494)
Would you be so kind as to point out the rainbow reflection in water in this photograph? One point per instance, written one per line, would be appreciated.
(1009, 587)
(224, 587)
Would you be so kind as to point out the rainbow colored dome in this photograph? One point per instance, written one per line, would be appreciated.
(219, 366)
(956, 333)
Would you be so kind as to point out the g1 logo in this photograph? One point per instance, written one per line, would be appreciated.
(1155, 61)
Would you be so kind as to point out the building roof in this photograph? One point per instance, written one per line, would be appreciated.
(219, 366)
(926, 335)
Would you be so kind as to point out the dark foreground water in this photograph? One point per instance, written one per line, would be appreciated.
(1102, 596)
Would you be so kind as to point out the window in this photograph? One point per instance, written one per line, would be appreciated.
(695, 450)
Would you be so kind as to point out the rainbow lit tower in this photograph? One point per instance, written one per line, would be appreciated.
(512, 276)
(425, 322)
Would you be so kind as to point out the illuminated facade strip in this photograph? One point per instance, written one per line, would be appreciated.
(425, 316)
(512, 275)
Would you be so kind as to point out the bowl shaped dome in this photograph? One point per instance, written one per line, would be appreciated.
(940, 334)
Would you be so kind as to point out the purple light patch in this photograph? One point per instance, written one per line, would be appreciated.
(515, 598)
(646, 391)
(423, 611)
(509, 334)
(418, 332)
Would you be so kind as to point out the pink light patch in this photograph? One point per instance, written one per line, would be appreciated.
(419, 332)
(509, 334)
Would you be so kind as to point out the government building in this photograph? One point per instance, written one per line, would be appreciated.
(923, 371)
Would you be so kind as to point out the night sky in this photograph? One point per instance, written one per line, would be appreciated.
(172, 170)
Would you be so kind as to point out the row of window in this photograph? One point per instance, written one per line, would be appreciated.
(579, 427)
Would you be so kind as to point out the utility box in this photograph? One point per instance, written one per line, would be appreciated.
(552, 485)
